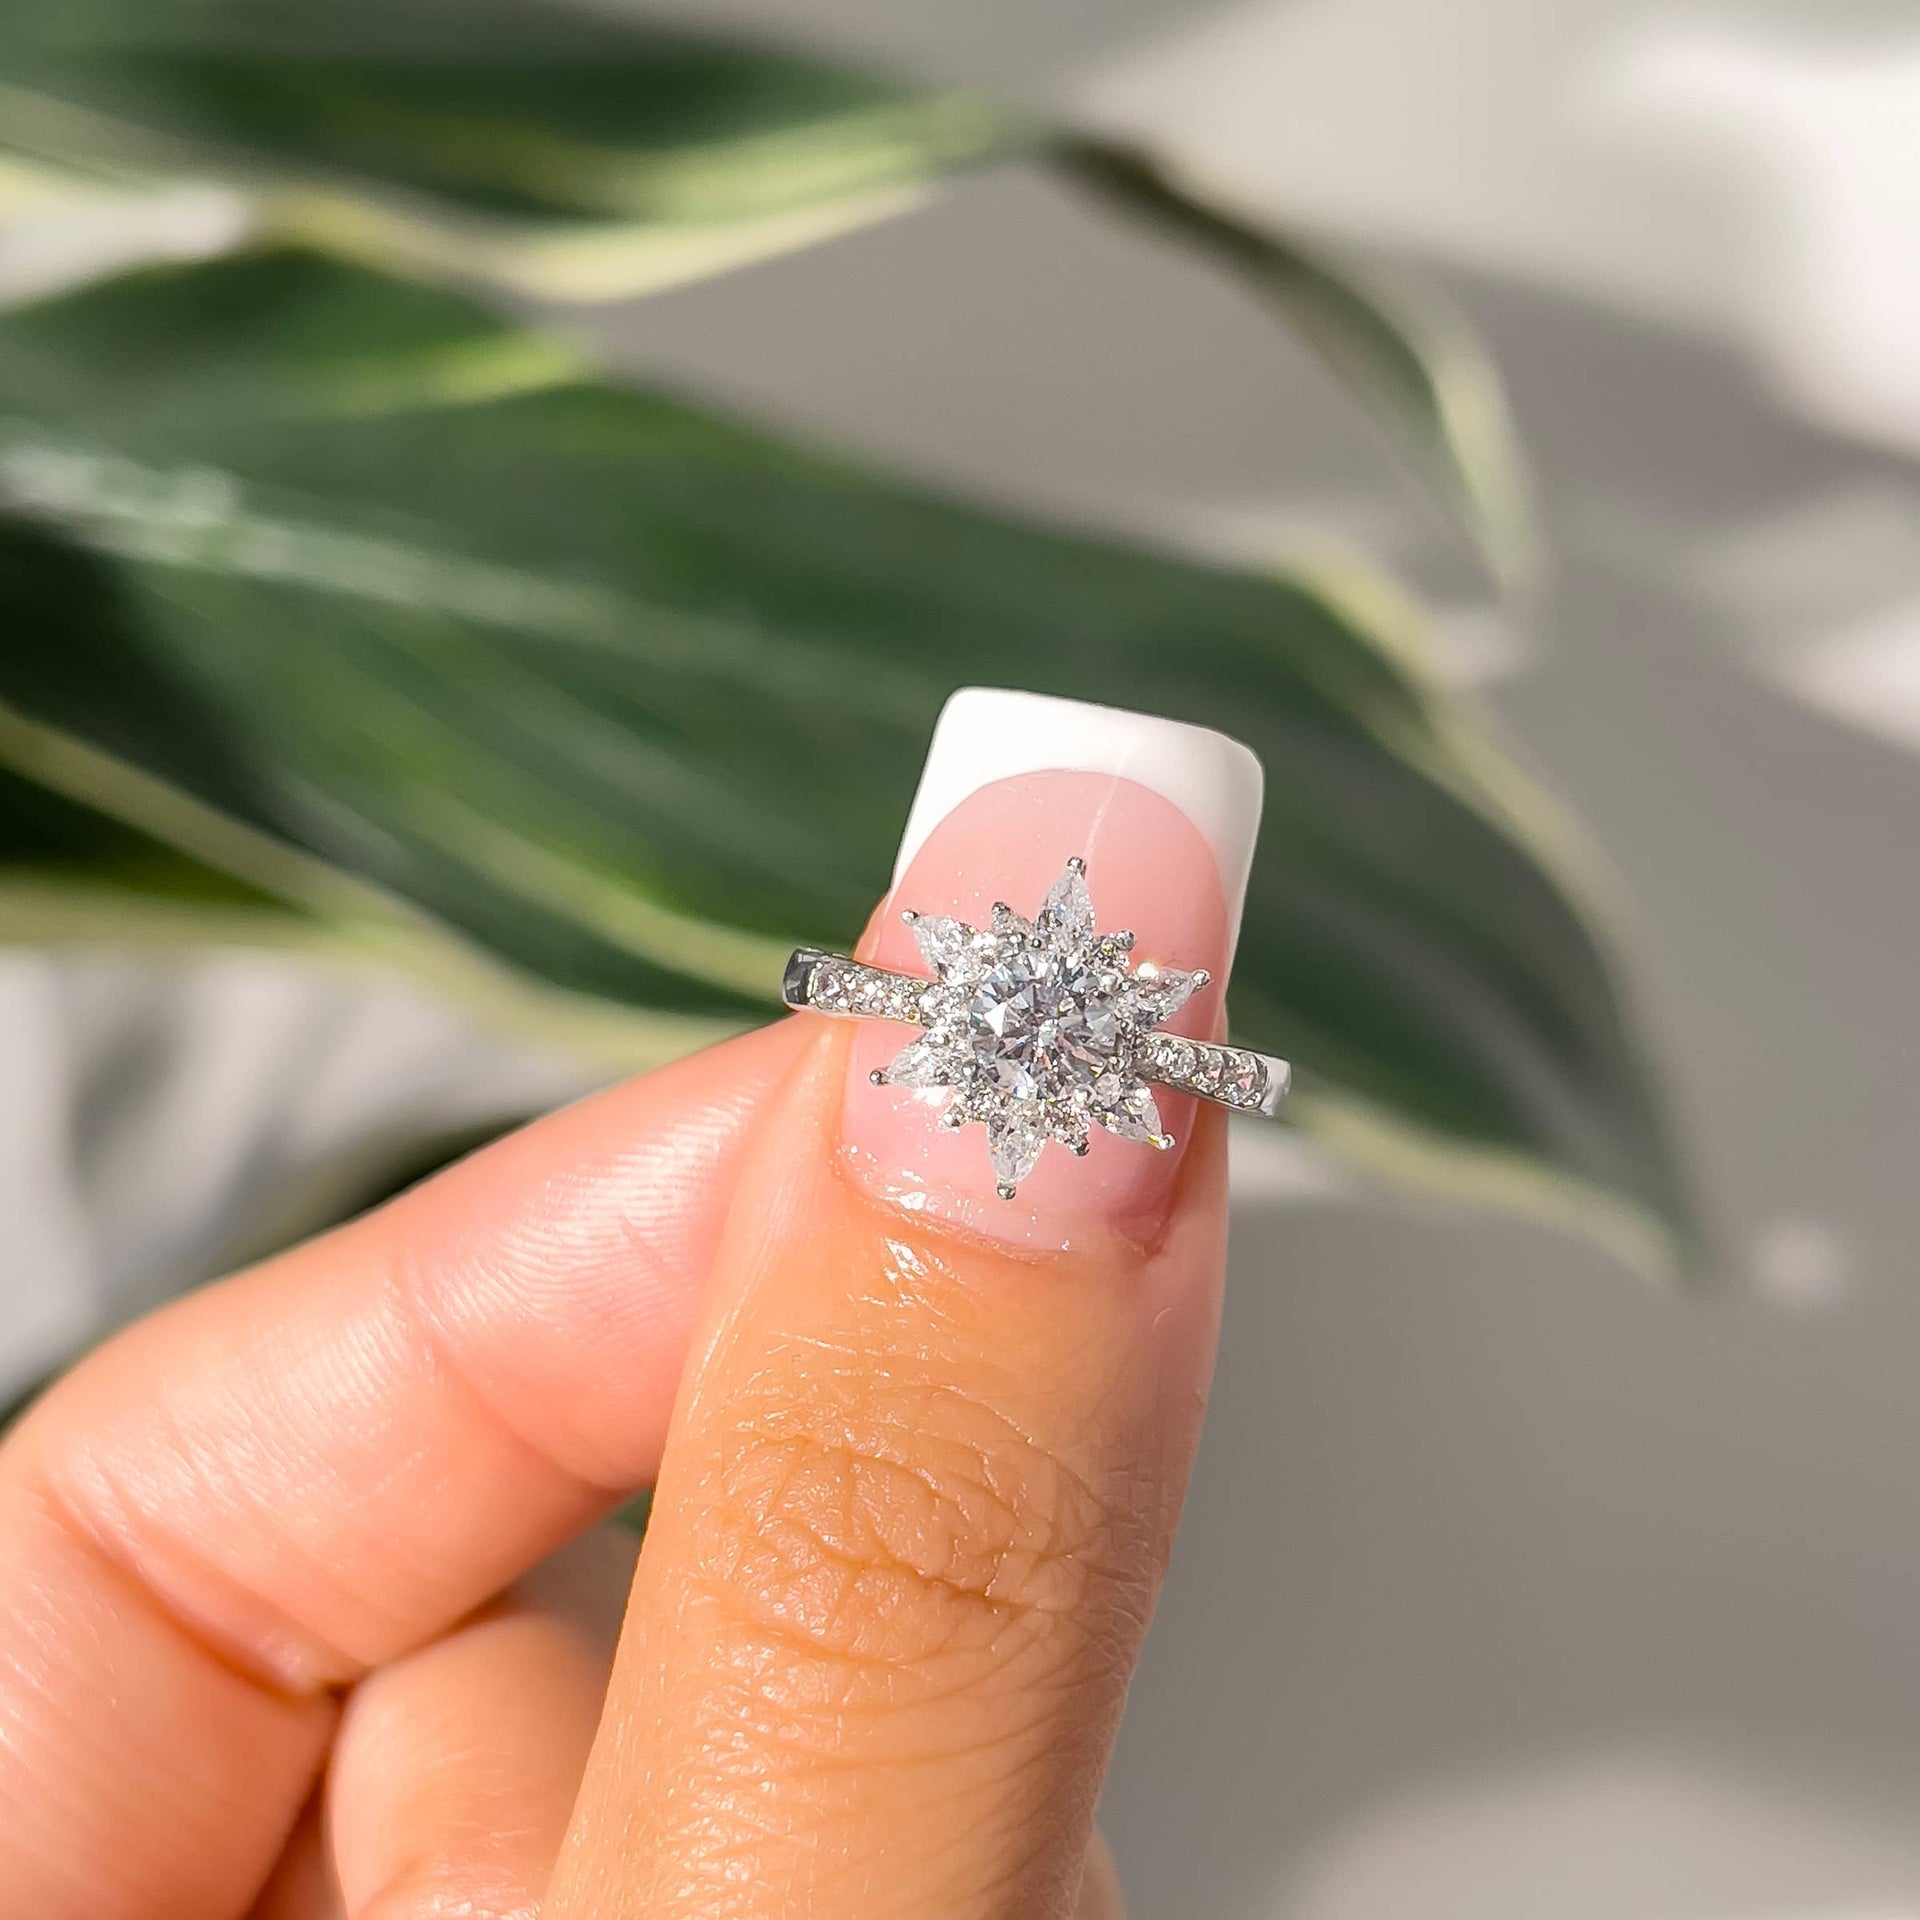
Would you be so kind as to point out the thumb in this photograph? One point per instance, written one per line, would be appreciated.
(922, 1479)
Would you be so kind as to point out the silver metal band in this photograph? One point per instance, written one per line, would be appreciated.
(1233, 1077)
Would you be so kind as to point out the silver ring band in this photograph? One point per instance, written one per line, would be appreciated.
(1231, 1077)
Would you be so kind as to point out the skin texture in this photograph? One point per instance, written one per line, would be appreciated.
(303, 1613)
(251, 1499)
(907, 1542)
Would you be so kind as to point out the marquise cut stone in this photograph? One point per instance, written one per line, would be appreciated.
(1015, 1143)
(923, 1064)
(1135, 1116)
(1068, 910)
(1161, 992)
(944, 943)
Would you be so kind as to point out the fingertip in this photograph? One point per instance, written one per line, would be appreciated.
(456, 1767)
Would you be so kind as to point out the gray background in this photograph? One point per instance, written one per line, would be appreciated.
(1509, 1591)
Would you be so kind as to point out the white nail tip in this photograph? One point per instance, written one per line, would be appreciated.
(986, 734)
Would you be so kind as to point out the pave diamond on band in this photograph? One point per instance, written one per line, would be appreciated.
(1040, 1028)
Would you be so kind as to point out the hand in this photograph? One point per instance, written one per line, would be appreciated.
(304, 1605)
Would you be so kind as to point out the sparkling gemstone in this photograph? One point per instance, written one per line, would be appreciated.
(1040, 1028)
(1134, 1116)
(1248, 1080)
(944, 943)
(1039, 1023)
(1015, 1140)
(1070, 1126)
(1160, 992)
(1067, 913)
(923, 1064)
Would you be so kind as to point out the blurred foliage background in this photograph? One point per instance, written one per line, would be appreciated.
(349, 607)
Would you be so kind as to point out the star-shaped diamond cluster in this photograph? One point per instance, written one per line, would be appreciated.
(1038, 1028)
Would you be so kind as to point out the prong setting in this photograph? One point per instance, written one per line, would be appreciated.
(1039, 1029)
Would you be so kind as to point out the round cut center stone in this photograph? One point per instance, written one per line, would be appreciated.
(1040, 1025)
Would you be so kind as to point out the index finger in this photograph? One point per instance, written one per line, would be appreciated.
(277, 1483)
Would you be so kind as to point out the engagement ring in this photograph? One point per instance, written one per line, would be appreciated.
(1043, 1029)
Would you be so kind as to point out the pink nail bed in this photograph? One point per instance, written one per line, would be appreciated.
(1164, 816)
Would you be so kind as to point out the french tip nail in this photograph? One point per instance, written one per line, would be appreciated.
(1016, 786)
(985, 734)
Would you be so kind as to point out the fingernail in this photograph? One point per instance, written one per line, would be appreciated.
(1017, 786)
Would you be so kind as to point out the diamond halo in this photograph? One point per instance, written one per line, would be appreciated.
(1038, 1029)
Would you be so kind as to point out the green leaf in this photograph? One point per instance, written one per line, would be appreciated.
(537, 144)
(95, 850)
(72, 872)
(1420, 374)
(633, 695)
(582, 156)
(72, 876)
